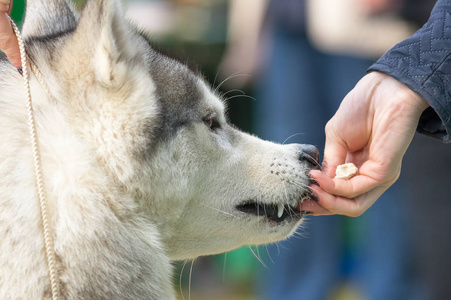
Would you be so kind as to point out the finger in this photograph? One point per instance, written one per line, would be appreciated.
(5, 8)
(345, 206)
(10, 7)
(336, 204)
(335, 151)
(312, 207)
(349, 188)
(8, 41)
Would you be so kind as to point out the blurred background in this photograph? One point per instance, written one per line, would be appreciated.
(283, 66)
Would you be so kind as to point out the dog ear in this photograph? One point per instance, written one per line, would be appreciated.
(48, 18)
(104, 38)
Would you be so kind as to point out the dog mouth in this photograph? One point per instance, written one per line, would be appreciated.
(275, 212)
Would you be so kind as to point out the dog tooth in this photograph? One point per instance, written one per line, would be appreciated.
(279, 210)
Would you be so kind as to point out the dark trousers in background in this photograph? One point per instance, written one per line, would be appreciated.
(299, 92)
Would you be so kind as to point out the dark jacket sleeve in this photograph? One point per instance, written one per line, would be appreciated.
(423, 63)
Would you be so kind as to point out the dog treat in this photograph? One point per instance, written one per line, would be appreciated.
(346, 171)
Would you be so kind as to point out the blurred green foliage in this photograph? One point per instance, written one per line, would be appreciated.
(18, 10)
(19, 7)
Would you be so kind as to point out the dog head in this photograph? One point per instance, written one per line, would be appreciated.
(160, 135)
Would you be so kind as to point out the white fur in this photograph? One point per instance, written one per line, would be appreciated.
(119, 217)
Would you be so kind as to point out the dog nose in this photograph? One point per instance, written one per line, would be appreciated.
(311, 150)
(310, 154)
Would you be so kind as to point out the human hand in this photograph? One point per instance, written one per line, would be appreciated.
(243, 57)
(372, 129)
(381, 6)
(8, 40)
(240, 64)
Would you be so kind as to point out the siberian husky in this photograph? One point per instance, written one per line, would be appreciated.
(141, 166)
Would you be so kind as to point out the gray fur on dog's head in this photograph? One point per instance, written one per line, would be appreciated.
(140, 163)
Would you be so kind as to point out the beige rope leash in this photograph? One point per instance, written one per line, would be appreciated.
(48, 238)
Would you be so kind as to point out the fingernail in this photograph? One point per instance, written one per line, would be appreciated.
(306, 212)
(314, 196)
(19, 69)
(313, 181)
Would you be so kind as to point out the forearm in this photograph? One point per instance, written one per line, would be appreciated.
(245, 20)
(423, 63)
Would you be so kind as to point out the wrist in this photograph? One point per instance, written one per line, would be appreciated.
(402, 92)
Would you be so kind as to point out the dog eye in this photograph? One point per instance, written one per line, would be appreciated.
(212, 122)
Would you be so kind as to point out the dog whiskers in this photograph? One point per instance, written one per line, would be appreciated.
(216, 76)
(189, 279)
(303, 186)
(291, 136)
(299, 234)
(234, 90)
(269, 254)
(236, 74)
(180, 279)
(258, 257)
(221, 211)
(224, 267)
(245, 96)
(190, 275)
(287, 198)
(278, 248)
(317, 162)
